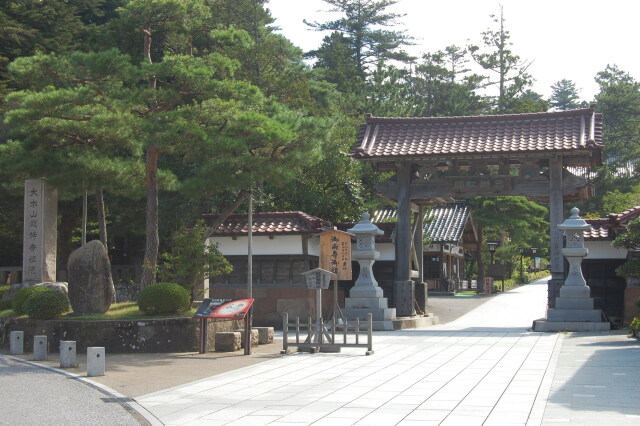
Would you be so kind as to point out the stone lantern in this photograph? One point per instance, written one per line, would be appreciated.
(574, 309)
(574, 285)
(366, 296)
(365, 253)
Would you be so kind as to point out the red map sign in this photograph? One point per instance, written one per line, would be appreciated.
(224, 308)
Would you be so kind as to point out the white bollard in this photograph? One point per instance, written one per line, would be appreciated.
(68, 354)
(39, 348)
(16, 342)
(95, 361)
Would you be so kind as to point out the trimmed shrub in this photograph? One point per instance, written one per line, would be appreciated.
(163, 298)
(46, 305)
(22, 295)
(5, 304)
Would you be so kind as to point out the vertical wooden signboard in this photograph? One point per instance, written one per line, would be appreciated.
(335, 253)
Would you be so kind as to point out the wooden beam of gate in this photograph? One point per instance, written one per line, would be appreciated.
(574, 188)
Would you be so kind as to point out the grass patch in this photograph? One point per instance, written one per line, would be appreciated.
(117, 311)
(466, 293)
(125, 311)
(7, 313)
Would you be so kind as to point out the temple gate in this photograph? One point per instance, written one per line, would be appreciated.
(444, 158)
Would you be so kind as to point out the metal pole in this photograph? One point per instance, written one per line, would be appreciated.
(247, 324)
(318, 315)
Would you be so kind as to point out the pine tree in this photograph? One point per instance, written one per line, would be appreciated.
(565, 96)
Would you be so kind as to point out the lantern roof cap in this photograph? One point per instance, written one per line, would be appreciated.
(574, 222)
(365, 226)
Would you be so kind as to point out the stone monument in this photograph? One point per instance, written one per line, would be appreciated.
(40, 232)
(574, 307)
(91, 287)
(366, 296)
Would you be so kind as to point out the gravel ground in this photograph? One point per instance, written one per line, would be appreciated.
(32, 396)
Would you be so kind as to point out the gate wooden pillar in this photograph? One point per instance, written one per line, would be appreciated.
(403, 226)
(556, 217)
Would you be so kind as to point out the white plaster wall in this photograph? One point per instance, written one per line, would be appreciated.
(387, 251)
(604, 250)
(262, 245)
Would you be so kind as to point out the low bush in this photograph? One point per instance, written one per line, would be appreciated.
(163, 298)
(4, 304)
(46, 305)
(22, 295)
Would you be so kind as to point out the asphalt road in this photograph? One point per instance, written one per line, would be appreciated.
(31, 395)
(449, 308)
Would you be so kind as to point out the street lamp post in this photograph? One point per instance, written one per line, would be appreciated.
(492, 249)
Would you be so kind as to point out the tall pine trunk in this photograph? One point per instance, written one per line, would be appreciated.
(102, 216)
(151, 248)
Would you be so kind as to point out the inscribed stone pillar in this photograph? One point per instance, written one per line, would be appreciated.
(40, 232)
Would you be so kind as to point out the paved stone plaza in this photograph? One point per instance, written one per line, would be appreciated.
(484, 368)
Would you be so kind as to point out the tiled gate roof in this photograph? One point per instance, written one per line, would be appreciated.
(563, 131)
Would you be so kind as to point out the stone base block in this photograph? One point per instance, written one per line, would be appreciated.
(574, 303)
(419, 321)
(16, 342)
(227, 341)
(368, 291)
(366, 303)
(377, 314)
(255, 338)
(95, 361)
(591, 315)
(575, 291)
(40, 348)
(546, 325)
(68, 354)
(265, 335)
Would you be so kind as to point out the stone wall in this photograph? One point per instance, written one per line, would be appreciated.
(121, 336)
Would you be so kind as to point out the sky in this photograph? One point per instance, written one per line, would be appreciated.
(563, 39)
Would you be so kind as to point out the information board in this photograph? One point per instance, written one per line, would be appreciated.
(224, 308)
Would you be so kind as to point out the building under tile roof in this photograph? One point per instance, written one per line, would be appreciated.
(604, 228)
(270, 223)
(384, 138)
(443, 224)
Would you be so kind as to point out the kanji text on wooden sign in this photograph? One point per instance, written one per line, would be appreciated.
(335, 253)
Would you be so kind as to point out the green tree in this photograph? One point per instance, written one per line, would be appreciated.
(30, 27)
(616, 201)
(61, 126)
(363, 26)
(565, 96)
(508, 72)
(514, 221)
(442, 85)
(619, 101)
(191, 260)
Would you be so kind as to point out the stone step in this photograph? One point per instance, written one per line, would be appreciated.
(593, 315)
(546, 325)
